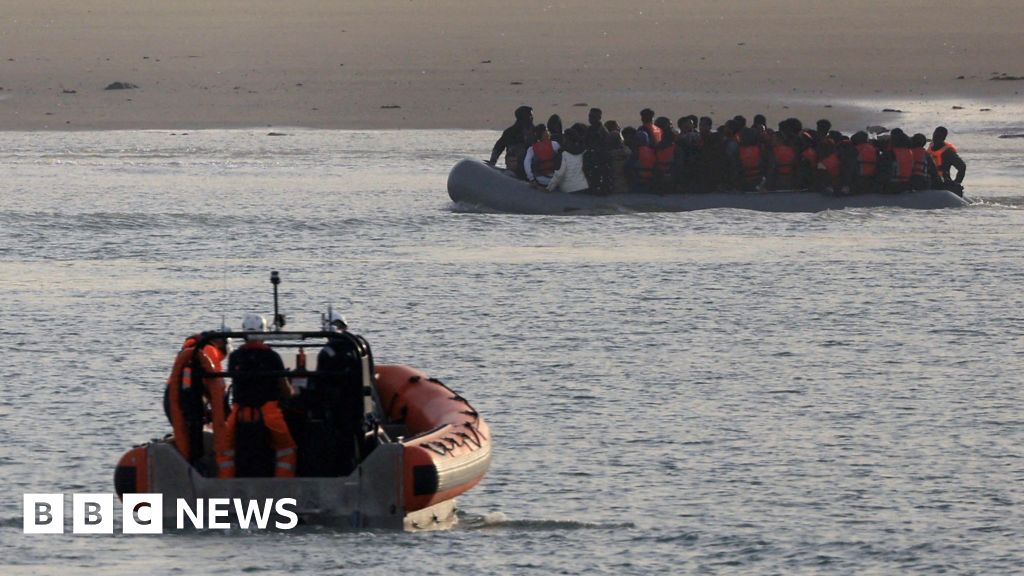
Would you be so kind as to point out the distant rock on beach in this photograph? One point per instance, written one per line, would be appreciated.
(121, 86)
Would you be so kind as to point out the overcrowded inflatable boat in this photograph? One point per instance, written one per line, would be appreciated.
(474, 183)
(355, 444)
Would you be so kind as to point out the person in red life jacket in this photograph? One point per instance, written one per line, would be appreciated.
(808, 162)
(919, 175)
(902, 162)
(513, 142)
(866, 174)
(665, 155)
(828, 177)
(541, 157)
(945, 156)
(258, 442)
(752, 163)
(644, 162)
(783, 163)
(647, 125)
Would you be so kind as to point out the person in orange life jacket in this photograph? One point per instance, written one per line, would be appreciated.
(664, 153)
(513, 142)
(945, 156)
(255, 413)
(215, 350)
(783, 162)
(644, 162)
(541, 157)
(919, 175)
(828, 171)
(569, 177)
(555, 128)
(647, 125)
(866, 169)
(902, 162)
(752, 162)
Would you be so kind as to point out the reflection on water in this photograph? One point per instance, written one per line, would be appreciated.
(719, 391)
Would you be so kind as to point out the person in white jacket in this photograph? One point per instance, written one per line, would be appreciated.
(569, 177)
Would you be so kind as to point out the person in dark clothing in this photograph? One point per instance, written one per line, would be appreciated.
(555, 128)
(596, 161)
(945, 156)
(824, 127)
(513, 142)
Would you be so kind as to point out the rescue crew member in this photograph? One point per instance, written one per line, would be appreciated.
(945, 156)
(540, 162)
(513, 142)
(255, 413)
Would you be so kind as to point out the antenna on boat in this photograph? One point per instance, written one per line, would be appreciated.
(275, 279)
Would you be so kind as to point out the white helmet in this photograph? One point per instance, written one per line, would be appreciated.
(254, 323)
(335, 322)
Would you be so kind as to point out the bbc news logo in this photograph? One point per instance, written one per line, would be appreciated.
(144, 513)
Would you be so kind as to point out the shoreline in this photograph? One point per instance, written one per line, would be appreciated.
(847, 115)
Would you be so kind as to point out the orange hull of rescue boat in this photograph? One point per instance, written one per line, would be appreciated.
(448, 446)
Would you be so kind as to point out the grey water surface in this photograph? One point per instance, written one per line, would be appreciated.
(713, 392)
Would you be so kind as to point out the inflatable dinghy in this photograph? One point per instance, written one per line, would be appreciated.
(476, 184)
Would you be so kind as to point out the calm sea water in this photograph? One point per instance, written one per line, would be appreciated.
(712, 392)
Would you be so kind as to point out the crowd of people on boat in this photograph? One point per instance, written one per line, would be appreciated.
(693, 156)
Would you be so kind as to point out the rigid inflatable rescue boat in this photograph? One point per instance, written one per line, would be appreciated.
(365, 446)
(474, 183)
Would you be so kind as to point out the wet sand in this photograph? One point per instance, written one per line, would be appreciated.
(449, 64)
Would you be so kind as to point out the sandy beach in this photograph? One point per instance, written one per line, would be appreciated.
(449, 64)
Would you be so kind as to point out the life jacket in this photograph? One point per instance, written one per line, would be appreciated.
(867, 158)
(920, 156)
(831, 165)
(543, 158)
(665, 157)
(810, 156)
(258, 444)
(903, 160)
(785, 159)
(654, 132)
(648, 159)
(750, 162)
(937, 157)
(187, 401)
